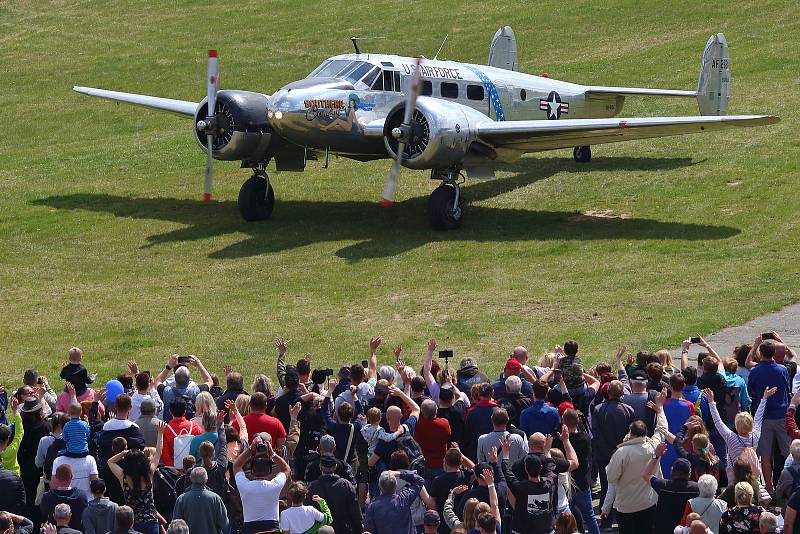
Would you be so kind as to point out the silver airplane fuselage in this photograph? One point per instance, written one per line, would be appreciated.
(341, 105)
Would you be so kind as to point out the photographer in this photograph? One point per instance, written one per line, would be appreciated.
(261, 492)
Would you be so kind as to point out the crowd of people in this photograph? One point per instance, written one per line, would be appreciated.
(711, 446)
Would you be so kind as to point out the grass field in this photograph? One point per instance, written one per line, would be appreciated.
(104, 241)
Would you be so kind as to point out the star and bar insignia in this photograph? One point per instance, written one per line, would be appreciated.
(553, 106)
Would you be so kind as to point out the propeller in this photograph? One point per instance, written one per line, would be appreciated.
(209, 124)
(403, 135)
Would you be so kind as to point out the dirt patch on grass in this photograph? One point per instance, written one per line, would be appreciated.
(593, 215)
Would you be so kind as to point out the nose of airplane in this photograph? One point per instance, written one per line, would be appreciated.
(288, 107)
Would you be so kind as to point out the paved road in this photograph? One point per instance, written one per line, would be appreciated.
(786, 322)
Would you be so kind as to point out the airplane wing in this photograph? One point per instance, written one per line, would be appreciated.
(518, 137)
(182, 107)
(637, 91)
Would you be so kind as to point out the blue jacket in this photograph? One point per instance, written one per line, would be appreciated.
(765, 375)
(539, 418)
(391, 514)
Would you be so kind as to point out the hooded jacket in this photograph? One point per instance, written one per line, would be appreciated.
(633, 493)
(99, 516)
(468, 376)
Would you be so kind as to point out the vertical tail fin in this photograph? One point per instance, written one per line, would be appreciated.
(714, 85)
(503, 50)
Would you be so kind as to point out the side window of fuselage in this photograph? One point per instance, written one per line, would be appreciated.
(449, 90)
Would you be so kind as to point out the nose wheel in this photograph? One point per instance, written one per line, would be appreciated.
(445, 205)
(256, 197)
(582, 154)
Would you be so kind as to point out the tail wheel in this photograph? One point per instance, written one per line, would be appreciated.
(256, 199)
(443, 211)
(582, 154)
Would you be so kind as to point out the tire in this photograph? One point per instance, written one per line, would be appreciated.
(440, 209)
(256, 199)
(582, 154)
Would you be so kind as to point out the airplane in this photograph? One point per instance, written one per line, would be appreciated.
(451, 118)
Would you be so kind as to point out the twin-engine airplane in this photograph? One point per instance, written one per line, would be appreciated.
(446, 116)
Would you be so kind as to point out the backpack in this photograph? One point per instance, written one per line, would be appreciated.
(732, 404)
(164, 494)
(181, 444)
(414, 452)
(187, 399)
(749, 455)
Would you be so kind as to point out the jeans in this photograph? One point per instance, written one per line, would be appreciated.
(252, 527)
(582, 500)
(601, 472)
(637, 522)
(147, 527)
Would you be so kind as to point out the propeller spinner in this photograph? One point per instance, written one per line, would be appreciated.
(404, 135)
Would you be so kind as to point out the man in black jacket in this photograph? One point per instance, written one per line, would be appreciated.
(62, 492)
(12, 492)
(340, 496)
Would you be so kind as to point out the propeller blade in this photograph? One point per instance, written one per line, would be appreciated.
(212, 84)
(411, 103)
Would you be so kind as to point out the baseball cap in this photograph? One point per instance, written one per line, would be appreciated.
(291, 374)
(431, 518)
(512, 365)
(682, 465)
(466, 362)
(639, 375)
(533, 465)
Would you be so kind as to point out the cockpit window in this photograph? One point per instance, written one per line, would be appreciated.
(330, 68)
(355, 71)
(370, 77)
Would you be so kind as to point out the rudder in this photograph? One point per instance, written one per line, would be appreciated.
(503, 50)
(714, 85)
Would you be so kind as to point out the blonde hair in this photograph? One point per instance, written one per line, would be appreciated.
(206, 452)
(743, 494)
(75, 354)
(204, 403)
(242, 403)
(743, 422)
(373, 416)
(471, 519)
(263, 384)
(546, 360)
(665, 358)
(469, 513)
(149, 452)
(701, 449)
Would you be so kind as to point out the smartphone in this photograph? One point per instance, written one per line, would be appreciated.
(446, 353)
(183, 359)
(767, 335)
(695, 340)
(365, 364)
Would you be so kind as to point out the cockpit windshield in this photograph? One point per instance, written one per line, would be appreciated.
(345, 69)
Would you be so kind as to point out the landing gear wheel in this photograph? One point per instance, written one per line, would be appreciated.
(444, 211)
(256, 199)
(582, 154)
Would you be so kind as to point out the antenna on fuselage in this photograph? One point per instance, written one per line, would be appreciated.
(441, 46)
(355, 39)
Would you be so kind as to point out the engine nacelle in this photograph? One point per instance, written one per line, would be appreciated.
(442, 133)
(244, 131)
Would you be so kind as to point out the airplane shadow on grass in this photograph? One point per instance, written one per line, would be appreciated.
(385, 233)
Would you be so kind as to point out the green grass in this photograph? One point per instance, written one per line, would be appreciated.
(105, 244)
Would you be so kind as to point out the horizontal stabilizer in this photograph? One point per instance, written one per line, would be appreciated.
(636, 91)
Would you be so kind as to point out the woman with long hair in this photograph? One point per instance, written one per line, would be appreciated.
(135, 473)
(566, 524)
(699, 451)
(204, 403)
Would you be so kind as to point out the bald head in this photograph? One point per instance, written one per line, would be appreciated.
(393, 416)
(428, 409)
(520, 354)
(536, 442)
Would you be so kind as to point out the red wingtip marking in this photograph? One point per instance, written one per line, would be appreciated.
(212, 53)
(384, 203)
(623, 124)
(206, 197)
(545, 75)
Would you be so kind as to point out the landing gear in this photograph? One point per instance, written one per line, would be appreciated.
(445, 205)
(582, 154)
(256, 198)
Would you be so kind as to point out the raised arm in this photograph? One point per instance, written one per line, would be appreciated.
(426, 365)
(204, 374)
(162, 376)
(281, 345)
(750, 362)
(677, 442)
(650, 468)
(759, 418)
(409, 402)
(488, 476)
(232, 409)
(569, 451)
(221, 446)
(661, 430)
(374, 343)
(712, 352)
(722, 428)
(160, 426)
(685, 344)
(113, 465)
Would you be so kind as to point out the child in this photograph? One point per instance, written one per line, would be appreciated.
(373, 431)
(700, 454)
(75, 373)
(76, 433)
(302, 519)
(98, 516)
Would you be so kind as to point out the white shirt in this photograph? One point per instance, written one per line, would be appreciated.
(82, 470)
(298, 519)
(136, 404)
(260, 497)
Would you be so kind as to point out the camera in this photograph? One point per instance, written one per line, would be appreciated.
(261, 448)
(767, 335)
(365, 364)
(446, 354)
(318, 376)
(694, 340)
(183, 359)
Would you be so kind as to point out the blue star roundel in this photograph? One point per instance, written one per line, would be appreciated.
(491, 90)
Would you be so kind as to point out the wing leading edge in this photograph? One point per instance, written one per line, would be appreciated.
(539, 135)
(637, 91)
(182, 107)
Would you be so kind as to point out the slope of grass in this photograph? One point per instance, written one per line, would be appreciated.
(105, 244)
